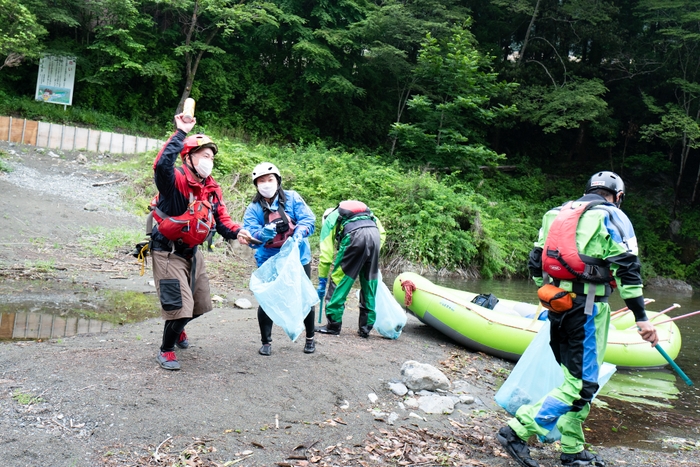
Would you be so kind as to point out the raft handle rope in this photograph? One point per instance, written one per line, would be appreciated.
(141, 258)
(408, 288)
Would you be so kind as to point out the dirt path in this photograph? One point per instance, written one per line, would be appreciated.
(100, 399)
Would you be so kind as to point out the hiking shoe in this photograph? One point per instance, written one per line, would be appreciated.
(266, 350)
(516, 447)
(328, 330)
(182, 341)
(582, 458)
(168, 360)
(310, 346)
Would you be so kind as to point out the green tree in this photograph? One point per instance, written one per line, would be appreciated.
(675, 26)
(456, 104)
(19, 33)
(203, 20)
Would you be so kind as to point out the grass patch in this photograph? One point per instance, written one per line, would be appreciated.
(107, 243)
(27, 107)
(41, 265)
(25, 398)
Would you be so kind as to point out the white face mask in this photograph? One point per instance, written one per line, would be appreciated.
(204, 167)
(267, 189)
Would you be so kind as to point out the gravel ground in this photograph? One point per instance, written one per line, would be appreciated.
(100, 399)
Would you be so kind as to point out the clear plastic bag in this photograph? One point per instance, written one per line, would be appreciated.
(282, 289)
(536, 373)
(391, 317)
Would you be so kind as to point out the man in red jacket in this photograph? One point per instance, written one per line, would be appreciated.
(188, 206)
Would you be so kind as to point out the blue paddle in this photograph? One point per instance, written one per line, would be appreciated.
(673, 364)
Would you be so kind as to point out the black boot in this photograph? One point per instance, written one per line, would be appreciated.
(331, 327)
(516, 447)
(310, 346)
(364, 331)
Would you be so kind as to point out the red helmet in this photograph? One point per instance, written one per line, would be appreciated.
(195, 142)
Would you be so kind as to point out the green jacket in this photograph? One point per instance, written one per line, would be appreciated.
(606, 233)
(329, 230)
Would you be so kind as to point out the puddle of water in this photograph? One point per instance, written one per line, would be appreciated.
(44, 310)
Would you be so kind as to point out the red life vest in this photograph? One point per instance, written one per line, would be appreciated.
(285, 226)
(560, 256)
(350, 209)
(192, 227)
(353, 215)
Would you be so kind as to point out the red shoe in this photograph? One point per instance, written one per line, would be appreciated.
(182, 341)
(168, 360)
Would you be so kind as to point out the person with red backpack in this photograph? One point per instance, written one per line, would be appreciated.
(586, 248)
(351, 237)
(189, 205)
(274, 215)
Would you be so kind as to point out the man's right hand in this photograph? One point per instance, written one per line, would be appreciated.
(648, 332)
(181, 125)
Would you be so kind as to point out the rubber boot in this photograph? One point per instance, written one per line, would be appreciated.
(364, 331)
(331, 327)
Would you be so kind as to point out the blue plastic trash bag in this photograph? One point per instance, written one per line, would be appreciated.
(282, 289)
(536, 373)
(391, 318)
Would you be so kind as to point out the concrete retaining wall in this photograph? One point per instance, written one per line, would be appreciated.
(51, 135)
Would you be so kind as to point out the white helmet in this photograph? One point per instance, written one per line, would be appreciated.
(327, 212)
(265, 168)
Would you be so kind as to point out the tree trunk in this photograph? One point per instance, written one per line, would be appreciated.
(695, 188)
(403, 99)
(527, 34)
(191, 67)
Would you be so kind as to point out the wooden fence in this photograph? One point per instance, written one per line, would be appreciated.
(69, 138)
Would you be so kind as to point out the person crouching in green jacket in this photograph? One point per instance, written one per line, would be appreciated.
(357, 234)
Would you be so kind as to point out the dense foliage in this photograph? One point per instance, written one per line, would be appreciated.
(462, 120)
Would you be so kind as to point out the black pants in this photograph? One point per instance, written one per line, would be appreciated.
(266, 323)
(172, 330)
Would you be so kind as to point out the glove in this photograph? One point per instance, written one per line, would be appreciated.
(268, 232)
(299, 234)
(322, 288)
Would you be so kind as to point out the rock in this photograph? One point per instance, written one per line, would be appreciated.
(243, 303)
(217, 298)
(423, 392)
(344, 404)
(415, 415)
(419, 376)
(152, 283)
(461, 387)
(91, 207)
(669, 284)
(399, 389)
(437, 404)
(40, 150)
(372, 397)
(466, 399)
(81, 159)
(53, 154)
(393, 416)
(411, 403)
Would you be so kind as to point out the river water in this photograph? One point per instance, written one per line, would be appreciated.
(661, 391)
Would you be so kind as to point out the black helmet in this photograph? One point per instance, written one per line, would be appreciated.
(609, 181)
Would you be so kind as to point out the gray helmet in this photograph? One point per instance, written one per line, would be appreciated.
(609, 181)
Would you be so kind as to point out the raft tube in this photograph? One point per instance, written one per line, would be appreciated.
(507, 330)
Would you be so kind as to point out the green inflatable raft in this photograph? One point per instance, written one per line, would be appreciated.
(507, 330)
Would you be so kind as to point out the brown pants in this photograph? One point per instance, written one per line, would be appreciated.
(171, 274)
